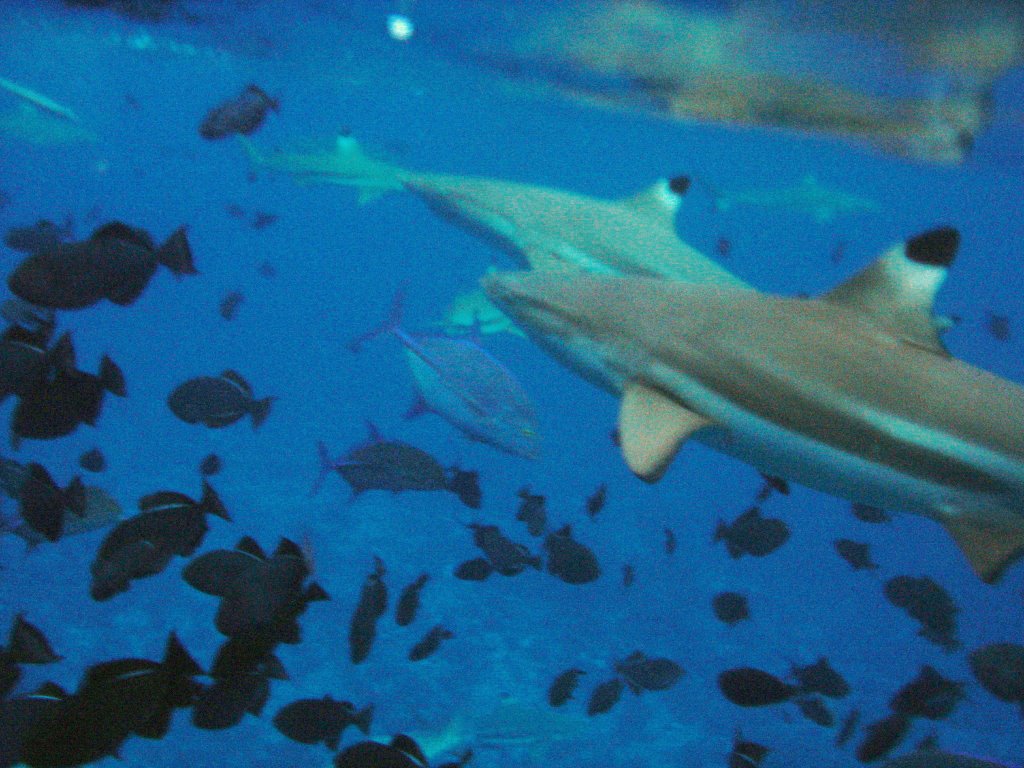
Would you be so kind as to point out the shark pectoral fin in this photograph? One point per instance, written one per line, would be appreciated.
(898, 289)
(989, 550)
(652, 428)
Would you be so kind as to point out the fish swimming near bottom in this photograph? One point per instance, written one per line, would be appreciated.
(851, 393)
(218, 401)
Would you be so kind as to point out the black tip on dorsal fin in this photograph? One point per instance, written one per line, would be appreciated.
(679, 185)
(936, 247)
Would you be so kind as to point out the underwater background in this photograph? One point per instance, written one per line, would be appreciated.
(141, 86)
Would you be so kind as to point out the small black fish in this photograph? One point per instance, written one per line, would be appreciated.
(927, 602)
(477, 569)
(42, 503)
(752, 534)
(628, 575)
(642, 673)
(267, 270)
(882, 737)
(771, 484)
(532, 511)
(373, 602)
(815, 710)
(670, 541)
(44, 235)
(315, 721)
(998, 326)
(928, 695)
(93, 460)
(503, 555)
(563, 686)
(730, 607)
(857, 554)
(262, 219)
(217, 401)
(409, 601)
(820, 677)
(596, 500)
(751, 687)
(243, 114)
(402, 752)
(115, 263)
(466, 485)
(210, 465)
(229, 305)
(429, 644)
(869, 514)
(605, 696)
(999, 669)
(241, 672)
(569, 560)
(746, 754)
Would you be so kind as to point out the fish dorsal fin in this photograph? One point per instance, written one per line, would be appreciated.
(652, 428)
(989, 550)
(661, 200)
(117, 230)
(236, 379)
(898, 289)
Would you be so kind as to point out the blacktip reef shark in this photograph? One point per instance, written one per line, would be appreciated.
(823, 202)
(541, 228)
(850, 393)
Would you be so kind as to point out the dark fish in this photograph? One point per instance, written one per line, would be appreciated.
(848, 727)
(999, 668)
(928, 695)
(723, 247)
(670, 541)
(383, 465)
(409, 601)
(115, 263)
(27, 315)
(373, 602)
(882, 737)
(402, 752)
(93, 460)
(869, 514)
(563, 686)
(267, 270)
(42, 504)
(210, 465)
(568, 559)
(234, 210)
(429, 644)
(730, 607)
(241, 672)
(746, 754)
(315, 721)
(597, 500)
(750, 687)
(642, 673)
(169, 524)
(929, 604)
(25, 361)
(262, 219)
(855, 553)
(67, 399)
(532, 511)
(628, 575)
(820, 677)
(604, 696)
(815, 710)
(44, 235)
(242, 114)
(752, 534)
(100, 510)
(503, 555)
(229, 305)
(771, 484)
(477, 569)
(466, 485)
(998, 326)
(217, 401)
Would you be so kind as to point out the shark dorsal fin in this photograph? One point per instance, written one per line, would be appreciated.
(988, 550)
(898, 289)
(652, 428)
(661, 200)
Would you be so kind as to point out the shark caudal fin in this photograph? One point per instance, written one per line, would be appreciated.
(345, 164)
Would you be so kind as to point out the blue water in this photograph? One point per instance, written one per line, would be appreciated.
(337, 266)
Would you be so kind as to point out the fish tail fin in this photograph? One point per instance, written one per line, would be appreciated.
(390, 323)
(363, 719)
(326, 467)
(176, 254)
(259, 410)
(211, 504)
(111, 377)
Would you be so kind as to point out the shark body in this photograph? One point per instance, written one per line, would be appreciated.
(850, 393)
(823, 202)
(540, 227)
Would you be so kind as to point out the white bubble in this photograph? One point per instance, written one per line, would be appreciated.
(400, 27)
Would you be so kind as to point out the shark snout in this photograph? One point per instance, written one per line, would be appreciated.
(524, 298)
